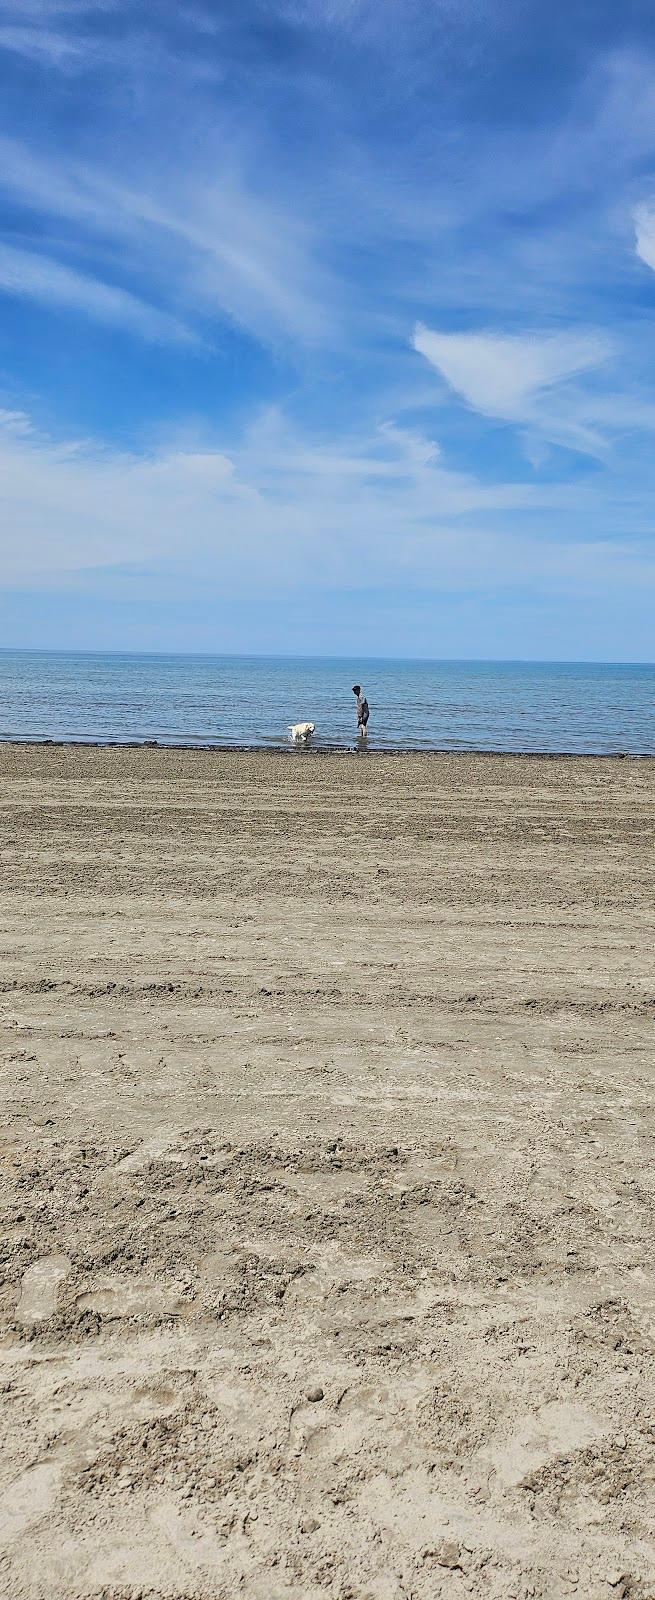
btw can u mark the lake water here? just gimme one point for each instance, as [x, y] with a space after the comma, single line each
[415, 705]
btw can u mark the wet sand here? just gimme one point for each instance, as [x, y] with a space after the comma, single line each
[327, 1176]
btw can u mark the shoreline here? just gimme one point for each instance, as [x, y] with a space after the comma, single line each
[288, 749]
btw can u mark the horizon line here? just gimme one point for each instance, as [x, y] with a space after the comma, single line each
[271, 655]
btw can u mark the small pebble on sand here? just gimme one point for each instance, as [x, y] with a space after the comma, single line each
[449, 1554]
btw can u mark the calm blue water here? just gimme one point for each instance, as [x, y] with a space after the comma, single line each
[448, 705]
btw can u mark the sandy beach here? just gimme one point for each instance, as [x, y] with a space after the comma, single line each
[327, 1176]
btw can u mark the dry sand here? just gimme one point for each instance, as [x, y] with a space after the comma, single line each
[328, 1176]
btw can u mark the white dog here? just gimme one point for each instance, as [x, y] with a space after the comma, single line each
[300, 732]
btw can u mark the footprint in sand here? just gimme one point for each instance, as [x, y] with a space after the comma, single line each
[148, 1150]
[27, 1500]
[554, 1429]
[134, 1297]
[40, 1287]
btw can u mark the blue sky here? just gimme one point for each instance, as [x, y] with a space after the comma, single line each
[328, 327]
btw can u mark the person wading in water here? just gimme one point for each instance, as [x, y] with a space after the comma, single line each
[362, 711]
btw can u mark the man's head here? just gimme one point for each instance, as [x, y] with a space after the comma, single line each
[357, 689]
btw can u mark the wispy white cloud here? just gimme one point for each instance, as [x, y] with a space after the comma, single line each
[40, 44]
[230, 220]
[520, 378]
[278, 497]
[40, 10]
[502, 374]
[418, 449]
[46, 32]
[281, 507]
[644, 220]
[212, 237]
[15, 422]
[26, 275]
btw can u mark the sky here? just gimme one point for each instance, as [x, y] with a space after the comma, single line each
[328, 327]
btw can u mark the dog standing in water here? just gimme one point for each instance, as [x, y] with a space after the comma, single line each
[362, 711]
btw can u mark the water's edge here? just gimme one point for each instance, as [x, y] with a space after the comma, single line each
[307, 752]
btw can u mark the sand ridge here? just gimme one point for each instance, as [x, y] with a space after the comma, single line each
[327, 1176]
